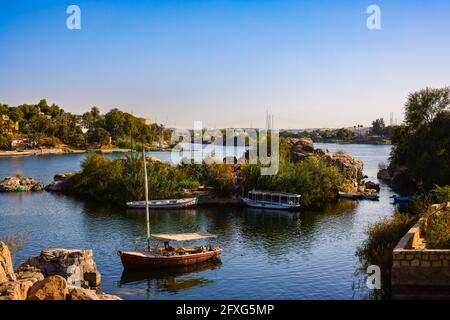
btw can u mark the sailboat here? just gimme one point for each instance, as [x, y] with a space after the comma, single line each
[167, 256]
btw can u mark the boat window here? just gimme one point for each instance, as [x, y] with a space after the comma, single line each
[283, 199]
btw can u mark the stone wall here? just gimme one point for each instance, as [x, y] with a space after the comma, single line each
[417, 272]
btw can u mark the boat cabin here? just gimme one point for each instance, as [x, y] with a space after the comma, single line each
[274, 197]
[168, 250]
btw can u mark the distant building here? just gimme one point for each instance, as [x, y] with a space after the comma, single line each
[146, 122]
[7, 125]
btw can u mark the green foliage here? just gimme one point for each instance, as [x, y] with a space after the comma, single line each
[422, 145]
[221, 177]
[44, 120]
[382, 238]
[437, 230]
[5, 142]
[378, 127]
[441, 194]
[122, 180]
[49, 142]
[98, 136]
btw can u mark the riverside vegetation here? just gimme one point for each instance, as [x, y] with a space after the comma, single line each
[317, 178]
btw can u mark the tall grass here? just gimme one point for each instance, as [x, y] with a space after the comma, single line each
[382, 237]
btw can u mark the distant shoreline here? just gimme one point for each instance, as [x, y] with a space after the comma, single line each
[57, 151]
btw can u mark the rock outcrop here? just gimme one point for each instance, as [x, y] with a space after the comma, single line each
[38, 278]
[349, 166]
[59, 183]
[76, 266]
[50, 288]
[6, 264]
[302, 148]
[13, 184]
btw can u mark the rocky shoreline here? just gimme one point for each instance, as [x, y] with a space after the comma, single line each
[56, 274]
[19, 184]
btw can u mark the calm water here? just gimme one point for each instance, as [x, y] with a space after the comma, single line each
[268, 255]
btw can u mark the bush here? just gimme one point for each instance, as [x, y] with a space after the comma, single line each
[49, 142]
[382, 238]
[437, 230]
[221, 177]
[122, 180]
[5, 142]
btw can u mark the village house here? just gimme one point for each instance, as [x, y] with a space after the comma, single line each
[7, 125]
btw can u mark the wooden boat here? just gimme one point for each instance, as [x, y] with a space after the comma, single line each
[359, 196]
[272, 200]
[165, 204]
[169, 257]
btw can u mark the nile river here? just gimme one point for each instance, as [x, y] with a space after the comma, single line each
[267, 255]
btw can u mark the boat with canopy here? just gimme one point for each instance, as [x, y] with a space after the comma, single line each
[272, 200]
[166, 255]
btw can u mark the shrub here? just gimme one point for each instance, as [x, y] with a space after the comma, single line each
[16, 242]
[382, 238]
[49, 142]
[437, 230]
[221, 177]
[5, 142]
[122, 180]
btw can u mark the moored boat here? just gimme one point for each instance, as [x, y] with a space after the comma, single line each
[272, 200]
[169, 257]
[359, 196]
[165, 204]
[402, 200]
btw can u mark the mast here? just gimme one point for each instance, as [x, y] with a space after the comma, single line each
[147, 211]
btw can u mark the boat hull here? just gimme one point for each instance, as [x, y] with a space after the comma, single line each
[138, 261]
[164, 204]
[267, 205]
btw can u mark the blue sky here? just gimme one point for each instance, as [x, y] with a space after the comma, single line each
[310, 63]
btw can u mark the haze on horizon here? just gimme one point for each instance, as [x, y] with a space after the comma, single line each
[225, 63]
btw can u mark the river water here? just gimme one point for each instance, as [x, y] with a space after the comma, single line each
[267, 255]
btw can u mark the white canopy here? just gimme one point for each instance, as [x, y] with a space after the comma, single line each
[182, 236]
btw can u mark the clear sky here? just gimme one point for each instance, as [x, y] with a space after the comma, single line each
[310, 63]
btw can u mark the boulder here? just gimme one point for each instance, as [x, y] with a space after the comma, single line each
[59, 183]
[322, 152]
[301, 148]
[82, 294]
[6, 264]
[51, 288]
[77, 266]
[372, 186]
[349, 166]
[13, 184]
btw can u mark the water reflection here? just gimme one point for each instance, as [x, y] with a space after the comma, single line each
[173, 280]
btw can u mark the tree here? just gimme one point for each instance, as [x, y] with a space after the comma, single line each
[421, 146]
[424, 105]
[378, 127]
[98, 136]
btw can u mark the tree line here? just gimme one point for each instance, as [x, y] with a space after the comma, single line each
[50, 125]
